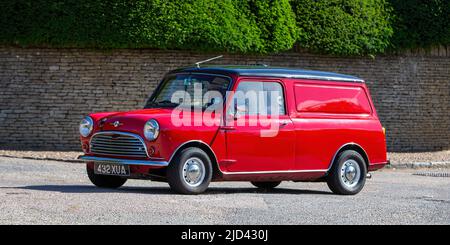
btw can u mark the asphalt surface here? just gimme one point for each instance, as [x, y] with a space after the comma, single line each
[48, 192]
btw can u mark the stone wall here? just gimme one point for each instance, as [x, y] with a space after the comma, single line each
[45, 92]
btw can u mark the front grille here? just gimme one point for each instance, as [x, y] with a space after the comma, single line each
[118, 144]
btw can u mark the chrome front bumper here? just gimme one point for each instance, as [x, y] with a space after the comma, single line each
[122, 161]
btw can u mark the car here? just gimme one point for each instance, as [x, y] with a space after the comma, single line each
[253, 123]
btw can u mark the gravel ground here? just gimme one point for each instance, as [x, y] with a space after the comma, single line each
[42, 155]
[408, 157]
[395, 157]
[50, 192]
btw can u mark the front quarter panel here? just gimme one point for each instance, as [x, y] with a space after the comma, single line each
[173, 136]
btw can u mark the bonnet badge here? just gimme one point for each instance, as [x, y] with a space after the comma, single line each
[116, 124]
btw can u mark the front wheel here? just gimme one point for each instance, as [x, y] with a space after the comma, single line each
[105, 181]
[348, 174]
[266, 185]
[190, 172]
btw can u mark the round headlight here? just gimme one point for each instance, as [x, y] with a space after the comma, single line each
[151, 129]
[86, 126]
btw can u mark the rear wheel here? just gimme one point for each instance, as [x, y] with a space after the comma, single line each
[105, 181]
[190, 172]
[266, 184]
[348, 174]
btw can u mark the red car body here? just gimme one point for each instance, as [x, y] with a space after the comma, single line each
[325, 114]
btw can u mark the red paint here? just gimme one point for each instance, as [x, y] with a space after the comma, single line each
[331, 99]
[321, 117]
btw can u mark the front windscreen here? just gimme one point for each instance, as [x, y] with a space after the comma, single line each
[192, 90]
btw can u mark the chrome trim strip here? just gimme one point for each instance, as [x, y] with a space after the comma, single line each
[340, 148]
[278, 172]
[122, 161]
[200, 73]
[326, 78]
[120, 133]
[303, 76]
[299, 76]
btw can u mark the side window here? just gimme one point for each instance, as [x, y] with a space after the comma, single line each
[260, 98]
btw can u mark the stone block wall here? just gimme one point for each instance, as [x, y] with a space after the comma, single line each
[44, 93]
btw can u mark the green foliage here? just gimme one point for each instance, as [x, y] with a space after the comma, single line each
[69, 23]
[226, 25]
[421, 23]
[340, 27]
[343, 27]
[200, 24]
[276, 21]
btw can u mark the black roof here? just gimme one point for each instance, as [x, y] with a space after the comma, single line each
[266, 71]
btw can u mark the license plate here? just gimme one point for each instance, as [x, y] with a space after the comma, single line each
[111, 169]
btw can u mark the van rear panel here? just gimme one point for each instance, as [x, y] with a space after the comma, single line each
[333, 99]
[328, 115]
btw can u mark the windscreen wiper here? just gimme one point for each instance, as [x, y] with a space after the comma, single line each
[166, 103]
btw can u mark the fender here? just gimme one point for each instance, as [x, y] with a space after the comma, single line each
[364, 155]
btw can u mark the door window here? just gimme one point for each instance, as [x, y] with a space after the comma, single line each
[259, 98]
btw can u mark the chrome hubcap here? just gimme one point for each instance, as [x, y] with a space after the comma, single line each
[350, 173]
[193, 171]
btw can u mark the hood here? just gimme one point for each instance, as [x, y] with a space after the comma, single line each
[130, 121]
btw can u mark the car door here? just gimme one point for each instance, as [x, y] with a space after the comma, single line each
[266, 141]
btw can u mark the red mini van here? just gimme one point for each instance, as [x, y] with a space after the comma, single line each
[240, 123]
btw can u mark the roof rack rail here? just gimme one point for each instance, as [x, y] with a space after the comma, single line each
[208, 60]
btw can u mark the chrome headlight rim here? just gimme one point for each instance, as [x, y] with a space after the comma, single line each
[86, 126]
[151, 130]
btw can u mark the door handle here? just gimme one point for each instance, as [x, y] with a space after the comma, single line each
[284, 123]
[227, 128]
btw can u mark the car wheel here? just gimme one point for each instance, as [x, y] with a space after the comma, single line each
[266, 184]
[105, 181]
[348, 174]
[190, 172]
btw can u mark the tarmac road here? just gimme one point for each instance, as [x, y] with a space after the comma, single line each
[48, 192]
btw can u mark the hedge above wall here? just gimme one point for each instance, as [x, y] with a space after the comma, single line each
[226, 25]
[421, 23]
[344, 27]
[339, 27]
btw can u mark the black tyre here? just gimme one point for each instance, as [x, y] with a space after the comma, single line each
[348, 174]
[105, 181]
[190, 172]
[266, 184]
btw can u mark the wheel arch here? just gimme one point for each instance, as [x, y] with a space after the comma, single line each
[350, 146]
[203, 146]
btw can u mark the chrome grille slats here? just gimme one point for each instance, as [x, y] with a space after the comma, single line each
[118, 144]
[117, 149]
[115, 143]
[117, 140]
[124, 137]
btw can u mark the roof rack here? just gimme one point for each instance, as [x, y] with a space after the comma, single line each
[208, 60]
